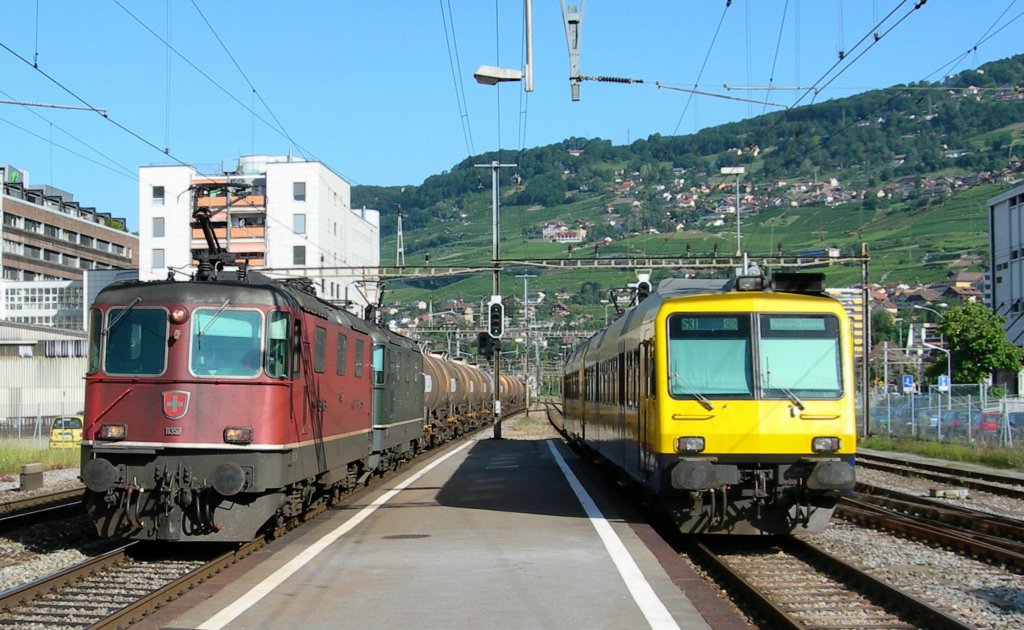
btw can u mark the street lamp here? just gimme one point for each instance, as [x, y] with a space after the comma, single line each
[737, 171]
[606, 305]
[949, 358]
[492, 75]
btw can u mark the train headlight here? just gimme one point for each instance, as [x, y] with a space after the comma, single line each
[112, 432]
[825, 444]
[689, 444]
[750, 283]
[179, 315]
[238, 435]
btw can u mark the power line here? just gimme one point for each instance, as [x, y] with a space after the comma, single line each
[460, 92]
[703, 66]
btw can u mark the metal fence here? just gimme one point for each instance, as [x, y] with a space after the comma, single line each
[32, 421]
[967, 419]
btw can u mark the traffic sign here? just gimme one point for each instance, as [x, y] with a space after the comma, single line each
[943, 383]
[908, 383]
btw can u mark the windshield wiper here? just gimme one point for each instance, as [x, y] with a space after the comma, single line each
[214, 318]
[793, 398]
[701, 398]
[120, 315]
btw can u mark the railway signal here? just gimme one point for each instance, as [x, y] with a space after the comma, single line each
[496, 317]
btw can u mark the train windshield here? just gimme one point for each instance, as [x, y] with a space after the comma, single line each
[799, 356]
[226, 342]
[710, 355]
[136, 341]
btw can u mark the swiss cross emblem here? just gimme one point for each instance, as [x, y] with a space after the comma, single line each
[176, 403]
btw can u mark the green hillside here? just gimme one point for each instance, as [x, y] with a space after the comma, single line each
[906, 170]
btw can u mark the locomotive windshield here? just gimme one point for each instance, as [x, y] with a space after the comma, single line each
[226, 342]
[136, 341]
[712, 355]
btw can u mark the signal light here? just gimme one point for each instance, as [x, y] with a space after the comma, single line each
[496, 319]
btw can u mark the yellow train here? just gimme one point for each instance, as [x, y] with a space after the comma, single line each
[731, 402]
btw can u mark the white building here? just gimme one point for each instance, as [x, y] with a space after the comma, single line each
[295, 219]
[1006, 260]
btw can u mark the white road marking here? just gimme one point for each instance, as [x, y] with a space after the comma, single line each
[646, 599]
[258, 592]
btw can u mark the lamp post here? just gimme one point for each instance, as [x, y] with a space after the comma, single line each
[949, 359]
[606, 305]
[737, 171]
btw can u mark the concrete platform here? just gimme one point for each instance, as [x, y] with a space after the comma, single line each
[491, 534]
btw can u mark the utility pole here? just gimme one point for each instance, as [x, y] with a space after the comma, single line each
[526, 324]
[495, 288]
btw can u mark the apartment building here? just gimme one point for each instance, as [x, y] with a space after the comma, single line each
[289, 217]
[49, 242]
[1006, 260]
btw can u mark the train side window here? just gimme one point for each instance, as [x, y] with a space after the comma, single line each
[95, 328]
[320, 350]
[342, 353]
[277, 344]
[360, 358]
[378, 364]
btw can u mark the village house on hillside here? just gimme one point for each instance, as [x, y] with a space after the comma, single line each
[558, 232]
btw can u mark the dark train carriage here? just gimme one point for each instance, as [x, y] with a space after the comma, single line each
[215, 409]
[398, 411]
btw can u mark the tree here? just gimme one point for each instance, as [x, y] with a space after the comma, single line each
[977, 341]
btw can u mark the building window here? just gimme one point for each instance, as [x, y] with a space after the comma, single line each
[158, 226]
[158, 195]
[299, 255]
[299, 223]
[158, 259]
[299, 191]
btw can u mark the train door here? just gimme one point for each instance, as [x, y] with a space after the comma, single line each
[622, 454]
[647, 407]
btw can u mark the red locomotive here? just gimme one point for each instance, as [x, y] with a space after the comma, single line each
[216, 410]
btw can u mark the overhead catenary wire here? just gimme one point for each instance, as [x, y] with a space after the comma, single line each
[704, 65]
[451, 42]
[303, 152]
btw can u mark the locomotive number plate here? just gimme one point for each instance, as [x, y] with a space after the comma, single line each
[172, 430]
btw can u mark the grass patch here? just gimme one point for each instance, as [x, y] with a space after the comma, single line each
[14, 453]
[1006, 458]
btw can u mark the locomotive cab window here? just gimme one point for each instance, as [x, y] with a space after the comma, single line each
[136, 340]
[226, 343]
[277, 344]
[710, 355]
[379, 355]
[800, 353]
[95, 328]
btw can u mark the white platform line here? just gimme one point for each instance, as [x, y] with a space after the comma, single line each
[646, 599]
[272, 581]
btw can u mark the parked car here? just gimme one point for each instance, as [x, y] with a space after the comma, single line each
[988, 421]
[66, 432]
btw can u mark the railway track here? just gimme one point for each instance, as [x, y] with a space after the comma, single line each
[119, 588]
[40, 508]
[991, 538]
[790, 583]
[112, 590]
[985, 481]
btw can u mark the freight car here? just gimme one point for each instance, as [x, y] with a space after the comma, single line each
[728, 403]
[216, 410]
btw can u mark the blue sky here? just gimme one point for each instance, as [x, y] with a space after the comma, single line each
[367, 87]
